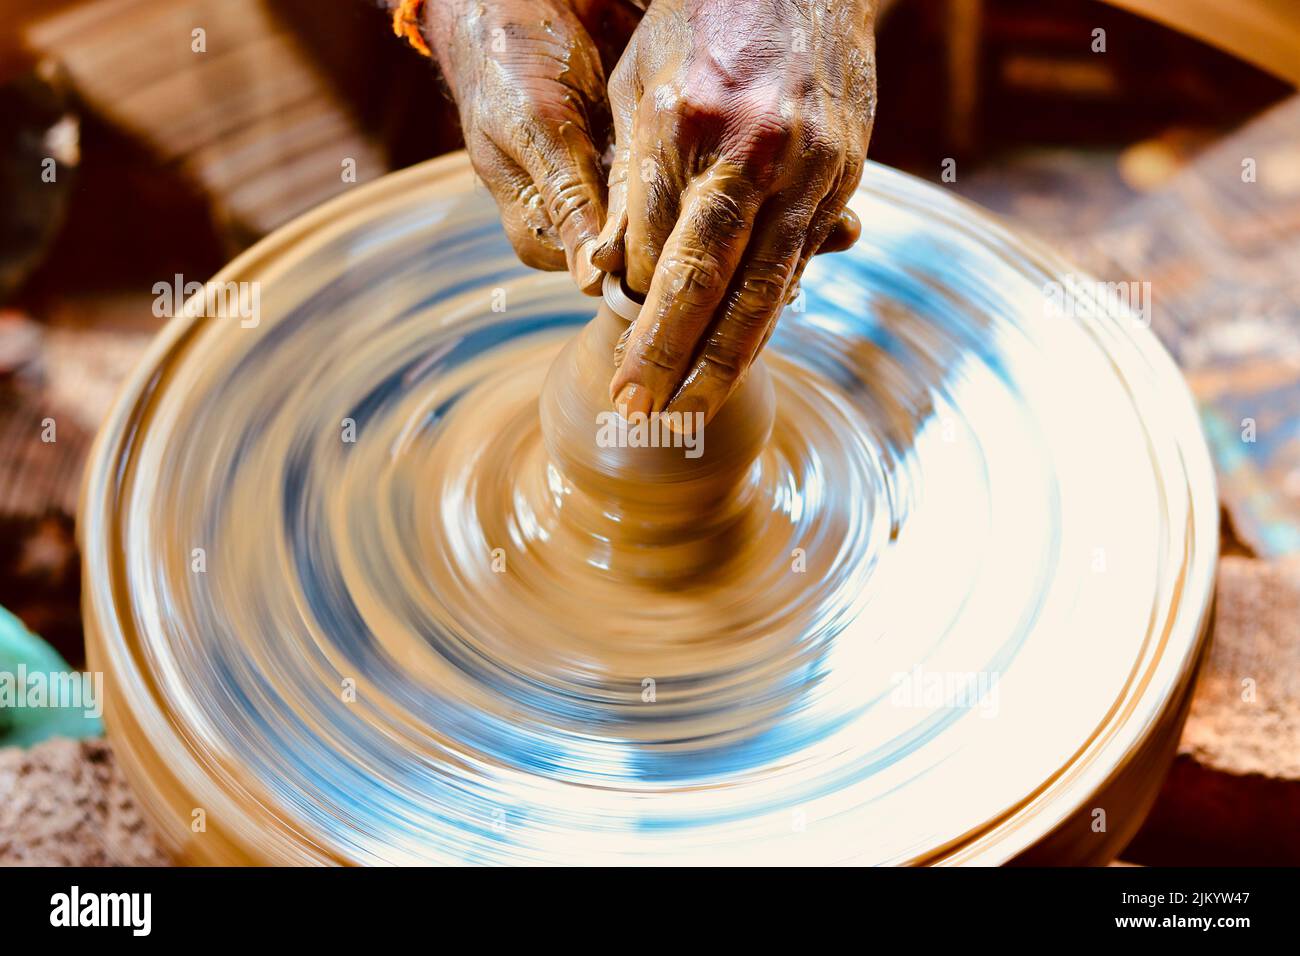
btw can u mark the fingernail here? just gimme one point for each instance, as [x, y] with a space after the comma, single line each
[605, 259]
[604, 236]
[585, 274]
[600, 248]
[606, 242]
[634, 399]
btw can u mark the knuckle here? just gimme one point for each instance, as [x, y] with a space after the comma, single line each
[719, 215]
[759, 290]
[566, 196]
[528, 199]
[738, 339]
[692, 276]
[770, 128]
[663, 353]
[854, 162]
[622, 82]
[822, 149]
[726, 353]
[693, 110]
[720, 364]
[763, 133]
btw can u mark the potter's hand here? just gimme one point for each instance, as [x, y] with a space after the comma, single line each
[741, 128]
[530, 89]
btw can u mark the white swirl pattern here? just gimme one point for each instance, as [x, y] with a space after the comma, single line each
[978, 487]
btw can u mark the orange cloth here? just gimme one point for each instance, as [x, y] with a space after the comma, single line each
[406, 23]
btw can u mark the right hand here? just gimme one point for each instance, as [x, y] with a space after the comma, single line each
[530, 90]
[742, 129]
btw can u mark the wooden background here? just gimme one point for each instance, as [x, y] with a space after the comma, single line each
[1131, 162]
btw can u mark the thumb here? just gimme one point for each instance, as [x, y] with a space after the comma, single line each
[608, 251]
[568, 177]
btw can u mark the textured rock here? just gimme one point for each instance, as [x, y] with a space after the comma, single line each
[65, 803]
[1233, 796]
[1245, 717]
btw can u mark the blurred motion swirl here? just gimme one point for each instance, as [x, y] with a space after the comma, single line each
[330, 581]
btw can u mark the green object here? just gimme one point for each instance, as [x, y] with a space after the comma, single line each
[40, 697]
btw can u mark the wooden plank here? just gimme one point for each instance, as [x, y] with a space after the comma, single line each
[239, 119]
[114, 48]
[1263, 32]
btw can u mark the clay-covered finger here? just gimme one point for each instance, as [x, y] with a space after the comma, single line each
[750, 310]
[653, 186]
[562, 161]
[654, 203]
[607, 254]
[523, 214]
[608, 251]
[831, 216]
[846, 231]
[698, 262]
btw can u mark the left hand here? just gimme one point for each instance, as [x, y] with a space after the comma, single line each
[530, 89]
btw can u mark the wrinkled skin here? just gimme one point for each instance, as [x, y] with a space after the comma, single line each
[741, 131]
[741, 127]
[530, 88]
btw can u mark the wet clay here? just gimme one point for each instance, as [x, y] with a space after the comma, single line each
[369, 584]
[650, 498]
[558, 545]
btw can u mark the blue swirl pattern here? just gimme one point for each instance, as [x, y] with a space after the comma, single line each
[964, 490]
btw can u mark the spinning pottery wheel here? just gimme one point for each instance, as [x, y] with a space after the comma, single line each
[351, 609]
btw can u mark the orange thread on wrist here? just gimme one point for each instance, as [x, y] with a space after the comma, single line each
[406, 23]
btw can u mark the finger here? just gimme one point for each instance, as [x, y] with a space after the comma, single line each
[653, 207]
[846, 230]
[698, 262]
[561, 159]
[654, 204]
[527, 226]
[831, 212]
[668, 142]
[608, 253]
[752, 306]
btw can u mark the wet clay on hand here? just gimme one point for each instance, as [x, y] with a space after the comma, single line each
[741, 129]
[530, 89]
[355, 595]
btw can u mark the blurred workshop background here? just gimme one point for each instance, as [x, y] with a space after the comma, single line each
[141, 139]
